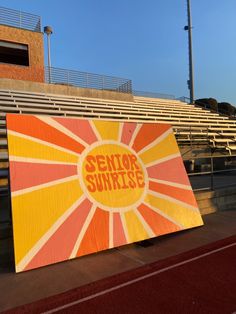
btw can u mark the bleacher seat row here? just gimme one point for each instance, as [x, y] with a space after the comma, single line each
[190, 123]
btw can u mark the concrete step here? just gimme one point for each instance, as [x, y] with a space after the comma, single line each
[218, 200]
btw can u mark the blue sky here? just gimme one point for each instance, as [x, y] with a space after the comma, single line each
[144, 41]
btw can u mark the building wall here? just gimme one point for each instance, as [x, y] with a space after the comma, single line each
[23, 85]
[34, 40]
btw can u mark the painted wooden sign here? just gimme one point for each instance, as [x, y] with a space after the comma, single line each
[81, 186]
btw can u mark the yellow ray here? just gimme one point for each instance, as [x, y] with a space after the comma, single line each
[178, 213]
[166, 147]
[136, 231]
[108, 130]
[23, 147]
[34, 213]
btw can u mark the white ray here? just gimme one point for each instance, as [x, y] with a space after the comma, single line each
[121, 125]
[176, 185]
[134, 135]
[123, 221]
[161, 160]
[40, 161]
[147, 228]
[39, 244]
[98, 135]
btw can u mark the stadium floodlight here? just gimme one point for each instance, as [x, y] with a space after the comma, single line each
[188, 28]
[48, 32]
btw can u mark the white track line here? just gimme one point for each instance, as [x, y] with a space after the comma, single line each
[127, 283]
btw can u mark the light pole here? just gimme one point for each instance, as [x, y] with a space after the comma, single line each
[48, 31]
[190, 52]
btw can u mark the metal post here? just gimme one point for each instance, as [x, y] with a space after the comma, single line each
[49, 57]
[48, 31]
[68, 77]
[212, 172]
[189, 29]
[20, 19]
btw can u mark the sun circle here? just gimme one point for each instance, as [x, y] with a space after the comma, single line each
[112, 176]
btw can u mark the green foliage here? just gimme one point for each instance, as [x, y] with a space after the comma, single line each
[226, 108]
[212, 104]
[208, 103]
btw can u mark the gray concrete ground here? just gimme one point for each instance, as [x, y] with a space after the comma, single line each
[22, 288]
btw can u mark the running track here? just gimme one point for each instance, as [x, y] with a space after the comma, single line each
[199, 281]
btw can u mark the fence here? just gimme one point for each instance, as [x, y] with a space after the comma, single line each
[212, 172]
[20, 19]
[184, 99]
[87, 80]
[153, 95]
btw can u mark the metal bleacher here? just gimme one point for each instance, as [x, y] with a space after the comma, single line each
[191, 124]
[195, 124]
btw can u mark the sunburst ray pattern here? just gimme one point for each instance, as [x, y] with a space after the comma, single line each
[81, 186]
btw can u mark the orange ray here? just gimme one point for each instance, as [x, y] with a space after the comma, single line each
[26, 174]
[79, 127]
[58, 248]
[32, 126]
[159, 224]
[149, 133]
[172, 170]
[96, 237]
[127, 132]
[183, 195]
[118, 231]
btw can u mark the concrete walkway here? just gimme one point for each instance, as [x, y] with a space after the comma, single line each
[22, 288]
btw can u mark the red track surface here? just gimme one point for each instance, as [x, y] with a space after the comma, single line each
[200, 281]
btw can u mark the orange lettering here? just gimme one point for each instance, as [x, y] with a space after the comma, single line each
[139, 177]
[92, 186]
[101, 163]
[90, 166]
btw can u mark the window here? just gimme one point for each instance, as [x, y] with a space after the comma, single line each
[14, 53]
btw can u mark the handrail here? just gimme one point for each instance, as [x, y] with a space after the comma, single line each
[153, 95]
[87, 80]
[184, 99]
[211, 173]
[20, 19]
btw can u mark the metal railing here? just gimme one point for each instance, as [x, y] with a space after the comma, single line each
[212, 173]
[153, 95]
[184, 99]
[87, 80]
[20, 19]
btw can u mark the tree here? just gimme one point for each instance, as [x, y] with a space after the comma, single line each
[208, 103]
